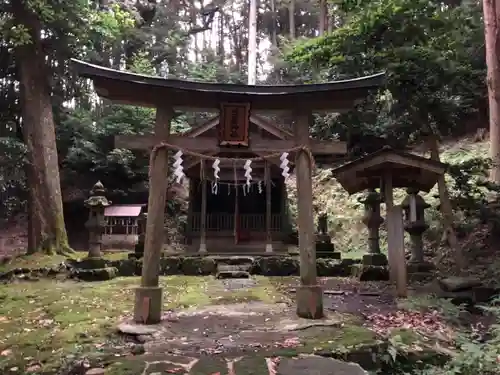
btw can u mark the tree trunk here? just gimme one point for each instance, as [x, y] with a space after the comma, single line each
[291, 15]
[274, 34]
[252, 43]
[446, 209]
[48, 232]
[492, 41]
[222, 50]
[323, 14]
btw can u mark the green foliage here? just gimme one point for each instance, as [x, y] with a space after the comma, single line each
[435, 72]
[12, 179]
[86, 146]
[111, 24]
[479, 351]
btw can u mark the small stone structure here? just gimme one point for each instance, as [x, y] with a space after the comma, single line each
[414, 207]
[324, 246]
[139, 246]
[388, 169]
[96, 222]
[465, 290]
[373, 220]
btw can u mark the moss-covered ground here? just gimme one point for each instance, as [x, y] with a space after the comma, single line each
[41, 260]
[45, 321]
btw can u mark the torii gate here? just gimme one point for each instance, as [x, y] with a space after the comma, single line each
[234, 103]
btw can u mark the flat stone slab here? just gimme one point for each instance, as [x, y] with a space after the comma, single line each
[209, 366]
[317, 366]
[236, 309]
[251, 365]
[237, 284]
[244, 365]
[458, 284]
[164, 368]
[134, 329]
[297, 324]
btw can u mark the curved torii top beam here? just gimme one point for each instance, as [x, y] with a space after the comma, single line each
[144, 90]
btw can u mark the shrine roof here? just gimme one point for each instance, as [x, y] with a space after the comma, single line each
[139, 89]
[407, 170]
[124, 210]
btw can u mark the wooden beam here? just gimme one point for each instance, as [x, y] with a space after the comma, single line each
[270, 128]
[200, 129]
[210, 144]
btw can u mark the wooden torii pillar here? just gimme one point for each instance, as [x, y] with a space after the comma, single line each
[309, 294]
[148, 296]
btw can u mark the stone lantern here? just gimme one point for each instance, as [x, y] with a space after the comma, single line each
[372, 219]
[323, 243]
[139, 246]
[96, 222]
[414, 207]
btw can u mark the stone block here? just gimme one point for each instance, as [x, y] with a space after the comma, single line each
[458, 284]
[324, 247]
[99, 274]
[370, 273]
[127, 267]
[232, 275]
[147, 306]
[328, 255]
[198, 266]
[309, 301]
[275, 266]
[91, 263]
[375, 259]
[332, 268]
[318, 365]
[419, 267]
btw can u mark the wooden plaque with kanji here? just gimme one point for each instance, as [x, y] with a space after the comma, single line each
[233, 125]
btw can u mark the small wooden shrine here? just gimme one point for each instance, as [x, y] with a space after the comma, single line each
[231, 215]
[229, 154]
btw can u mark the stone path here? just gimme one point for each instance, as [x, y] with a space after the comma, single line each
[245, 365]
[237, 339]
[250, 338]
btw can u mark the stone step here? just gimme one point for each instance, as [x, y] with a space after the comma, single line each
[223, 267]
[232, 275]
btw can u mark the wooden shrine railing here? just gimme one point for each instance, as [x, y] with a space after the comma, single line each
[121, 225]
[225, 222]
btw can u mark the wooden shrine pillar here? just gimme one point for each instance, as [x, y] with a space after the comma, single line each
[309, 294]
[189, 224]
[236, 212]
[269, 239]
[148, 297]
[284, 208]
[203, 213]
[395, 238]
